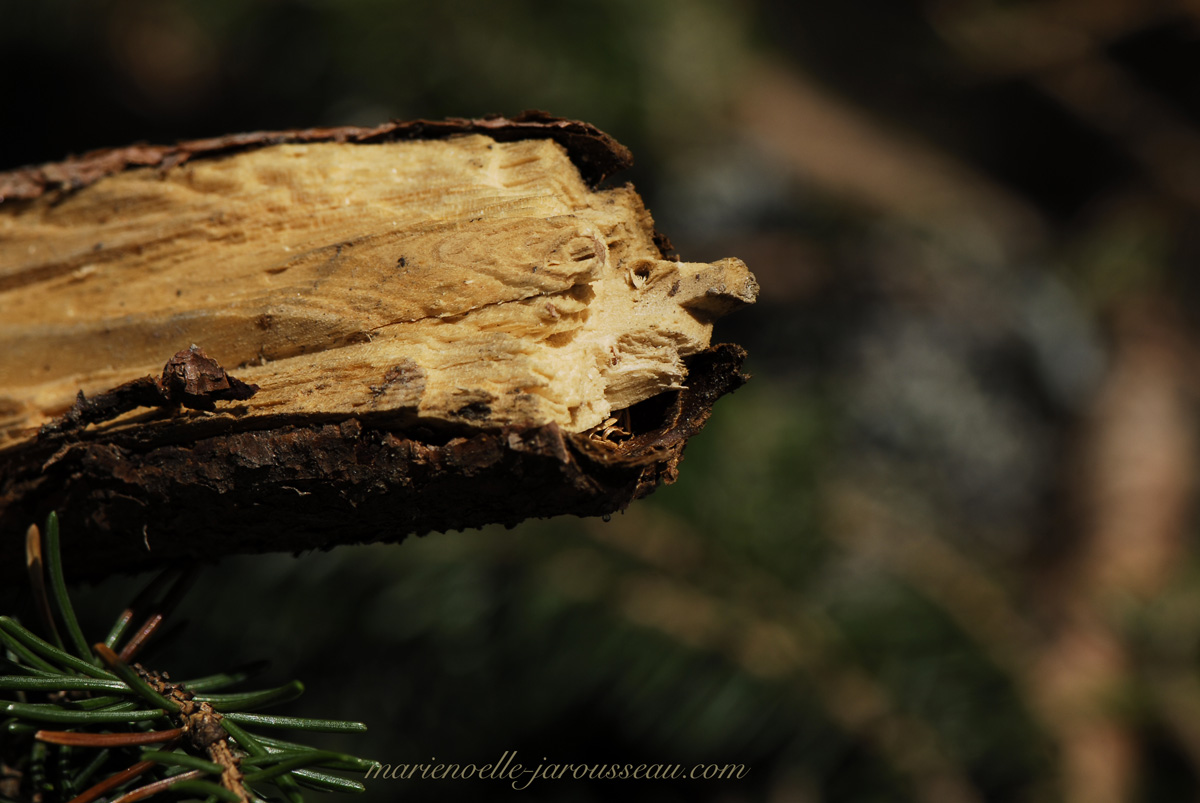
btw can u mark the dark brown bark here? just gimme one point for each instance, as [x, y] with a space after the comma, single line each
[142, 499]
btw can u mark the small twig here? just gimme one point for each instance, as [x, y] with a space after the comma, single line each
[190, 379]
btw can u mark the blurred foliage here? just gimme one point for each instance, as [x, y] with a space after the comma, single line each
[139, 729]
[940, 549]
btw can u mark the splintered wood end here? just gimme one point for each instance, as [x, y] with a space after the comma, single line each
[468, 289]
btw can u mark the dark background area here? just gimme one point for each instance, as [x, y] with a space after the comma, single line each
[941, 548]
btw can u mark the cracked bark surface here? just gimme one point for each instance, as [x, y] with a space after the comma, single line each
[441, 332]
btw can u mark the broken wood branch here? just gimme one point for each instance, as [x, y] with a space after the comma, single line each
[421, 326]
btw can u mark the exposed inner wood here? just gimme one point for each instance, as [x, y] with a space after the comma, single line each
[463, 281]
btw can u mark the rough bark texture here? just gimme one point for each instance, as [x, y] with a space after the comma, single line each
[136, 500]
[596, 154]
[445, 329]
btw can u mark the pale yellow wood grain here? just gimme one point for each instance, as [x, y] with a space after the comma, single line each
[461, 281]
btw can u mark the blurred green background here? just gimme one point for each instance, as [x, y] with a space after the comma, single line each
[940, 549]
